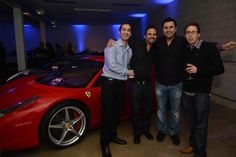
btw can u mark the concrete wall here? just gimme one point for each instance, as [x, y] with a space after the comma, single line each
[217, 20]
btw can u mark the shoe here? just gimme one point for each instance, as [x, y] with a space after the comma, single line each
[160, 136]
[119, 141]
[175, 139]
[187, 150]
[136, 139]
[148, 135]
[106, 151]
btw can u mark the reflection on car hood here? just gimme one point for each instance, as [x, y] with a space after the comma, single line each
[23, 89]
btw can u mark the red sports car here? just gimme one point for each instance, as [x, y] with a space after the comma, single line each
[55, 104]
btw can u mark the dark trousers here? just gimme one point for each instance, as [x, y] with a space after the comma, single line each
[141, 106]
[197, 109]
[113, 99]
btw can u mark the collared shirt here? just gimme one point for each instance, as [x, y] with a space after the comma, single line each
[142, 60]
[196, 45]
[169, 60]
[116, 61]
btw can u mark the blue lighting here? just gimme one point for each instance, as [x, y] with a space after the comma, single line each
[32, 37]
[163, 1]
[80, 31]
[138, 15]
[26, 25]
[171, 9]
[143, 25]
[115, 31]
[79, 26]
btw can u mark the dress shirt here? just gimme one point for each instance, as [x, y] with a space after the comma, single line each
[116, 61]
[169, 61]
[142, 60]
[197, 45]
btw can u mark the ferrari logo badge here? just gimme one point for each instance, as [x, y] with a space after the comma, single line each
[88, 94]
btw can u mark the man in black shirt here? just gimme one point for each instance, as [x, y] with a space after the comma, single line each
[169, 70]
[141, 85]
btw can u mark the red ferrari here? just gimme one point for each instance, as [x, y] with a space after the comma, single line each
[55, 104]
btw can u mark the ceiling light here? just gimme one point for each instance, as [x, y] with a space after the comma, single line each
[40, 11]
[163, 1]
[138, 15]
[26, 13]
[92, 10]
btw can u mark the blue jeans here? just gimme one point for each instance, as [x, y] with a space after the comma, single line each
[196, 109]
[174, 95]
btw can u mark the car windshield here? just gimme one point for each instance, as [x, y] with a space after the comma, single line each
[74, 74]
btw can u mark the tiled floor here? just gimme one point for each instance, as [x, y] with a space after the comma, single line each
[221, 141]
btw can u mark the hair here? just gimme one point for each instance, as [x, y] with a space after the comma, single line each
[150, 27]
[125, 23]
[169, 19]
[193, 24]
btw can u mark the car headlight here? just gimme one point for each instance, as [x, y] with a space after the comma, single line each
[19, 75]
[18, 105]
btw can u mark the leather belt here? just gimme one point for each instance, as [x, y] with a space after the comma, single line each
[141, 82]
[112, 80]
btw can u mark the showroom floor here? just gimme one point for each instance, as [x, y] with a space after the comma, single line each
[221, 141]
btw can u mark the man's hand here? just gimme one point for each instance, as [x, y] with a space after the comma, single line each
[110, 42]
[229, 45]
[131, 73]
[191, 69]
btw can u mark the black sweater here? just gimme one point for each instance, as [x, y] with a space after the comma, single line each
[208, 62]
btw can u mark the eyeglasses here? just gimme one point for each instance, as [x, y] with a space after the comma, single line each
[191, 32]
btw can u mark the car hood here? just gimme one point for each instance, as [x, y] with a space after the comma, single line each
[17, 91]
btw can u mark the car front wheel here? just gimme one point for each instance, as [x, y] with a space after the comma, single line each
[64, 124]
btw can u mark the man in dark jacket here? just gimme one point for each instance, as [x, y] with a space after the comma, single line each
[202, 62]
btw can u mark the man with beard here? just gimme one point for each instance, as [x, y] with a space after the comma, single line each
[141, 85]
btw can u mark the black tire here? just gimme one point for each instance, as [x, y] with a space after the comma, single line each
[64, 124]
